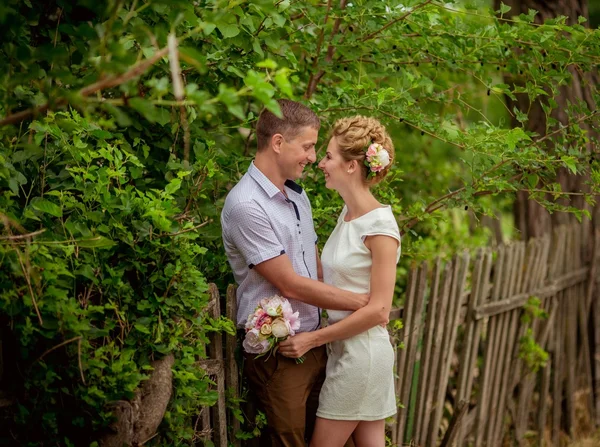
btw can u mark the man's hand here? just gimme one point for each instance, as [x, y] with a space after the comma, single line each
[298, 345]
[359, 300]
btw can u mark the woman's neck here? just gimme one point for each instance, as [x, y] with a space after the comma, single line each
[359, 201]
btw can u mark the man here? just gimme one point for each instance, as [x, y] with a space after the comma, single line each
[270, 242]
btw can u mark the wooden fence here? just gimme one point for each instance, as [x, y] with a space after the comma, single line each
[460, 376]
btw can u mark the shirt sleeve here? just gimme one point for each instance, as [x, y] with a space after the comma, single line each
[250, 231]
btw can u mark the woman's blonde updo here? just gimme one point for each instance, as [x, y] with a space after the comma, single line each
[354, 135]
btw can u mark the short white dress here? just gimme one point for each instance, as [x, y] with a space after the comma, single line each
[359, 383]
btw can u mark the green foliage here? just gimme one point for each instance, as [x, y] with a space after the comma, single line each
[121, 166]
[530, 351]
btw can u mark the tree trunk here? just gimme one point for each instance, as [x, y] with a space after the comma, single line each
[532, 219]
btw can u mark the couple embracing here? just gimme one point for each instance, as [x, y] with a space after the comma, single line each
[344, 389]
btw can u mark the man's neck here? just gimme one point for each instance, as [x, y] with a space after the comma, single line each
[269, 169]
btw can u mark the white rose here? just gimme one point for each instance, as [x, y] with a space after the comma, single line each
[265, 329]
[272, 311]
[384, 158]
[254, 343]
[279, 329]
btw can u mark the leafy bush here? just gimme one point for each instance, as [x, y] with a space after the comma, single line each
[126, 122]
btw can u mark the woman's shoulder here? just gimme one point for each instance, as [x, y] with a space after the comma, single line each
[383, 218]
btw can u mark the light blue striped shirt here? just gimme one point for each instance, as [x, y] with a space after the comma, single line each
[259, 223]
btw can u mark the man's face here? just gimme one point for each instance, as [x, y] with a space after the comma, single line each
[297, 152]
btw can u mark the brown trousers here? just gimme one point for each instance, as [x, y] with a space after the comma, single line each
[288, 393]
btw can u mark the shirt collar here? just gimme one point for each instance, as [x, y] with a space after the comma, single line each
[267, 185]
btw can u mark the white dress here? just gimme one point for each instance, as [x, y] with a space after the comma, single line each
[359, 383]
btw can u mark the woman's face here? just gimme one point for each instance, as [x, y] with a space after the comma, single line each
[334, 166]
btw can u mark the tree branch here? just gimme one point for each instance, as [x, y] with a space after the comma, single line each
[393, 22]
[22, 236]
[109, 82]
[314, 79]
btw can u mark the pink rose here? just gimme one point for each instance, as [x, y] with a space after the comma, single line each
[263, 319]
[372, 150]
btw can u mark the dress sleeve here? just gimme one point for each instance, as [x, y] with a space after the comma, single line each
[250, 231]
[384, 225]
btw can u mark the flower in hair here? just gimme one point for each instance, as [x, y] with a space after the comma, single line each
[377, 158]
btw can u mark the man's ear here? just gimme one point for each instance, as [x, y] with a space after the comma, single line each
[276, 141]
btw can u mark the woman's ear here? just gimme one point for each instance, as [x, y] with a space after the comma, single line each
[353, 166]
[276, 141]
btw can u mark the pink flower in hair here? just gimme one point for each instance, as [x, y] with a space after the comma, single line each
[372, 151]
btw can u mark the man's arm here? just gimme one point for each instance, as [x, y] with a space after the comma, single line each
[383, 280]
[279, 272]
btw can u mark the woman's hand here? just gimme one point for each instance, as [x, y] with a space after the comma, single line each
[298, 345]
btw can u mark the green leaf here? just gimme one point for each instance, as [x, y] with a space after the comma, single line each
[193, 56]
[257, 48]
[570, 162]
[514, 136]
[208, 28]
[96, 242]
[532, 180]
[142, 328]
[228, 30]
[504, 8]
[282, 81]
[150, 111]
[101, 134]
[267, 63]
[173, 186]
[278, 19]
[47, 207]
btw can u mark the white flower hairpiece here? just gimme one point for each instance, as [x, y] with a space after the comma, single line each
[377, 158]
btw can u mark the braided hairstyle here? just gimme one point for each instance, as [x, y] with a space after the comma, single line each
[354, 135]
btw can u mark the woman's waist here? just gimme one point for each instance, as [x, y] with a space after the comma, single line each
[376, 331]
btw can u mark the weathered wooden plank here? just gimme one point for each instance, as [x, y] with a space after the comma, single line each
[454, 426]
[468, 358]
[596, 310]
[518, 301]
[430, 430]
[531, 279]
[511, 340]
[219, 412]
[524, 375]
[207, 431]
[401, 352]
[557, 267]
[594, 297]
[405, 331]
[232, 376]
[571, 334]
[557, 378]
[440, 381]
[414, 314]
[461, 268]
[489, 359]
[425, 389]
[543, 400]
[500, 344]
[211, 366]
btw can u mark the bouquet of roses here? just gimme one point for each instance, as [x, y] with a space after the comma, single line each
[273, 321]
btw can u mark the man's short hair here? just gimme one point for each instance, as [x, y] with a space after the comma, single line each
[295, 117]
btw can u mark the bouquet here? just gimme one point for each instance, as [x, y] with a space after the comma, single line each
[273, 321]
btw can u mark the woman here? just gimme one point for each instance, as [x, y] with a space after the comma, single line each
[361, 256]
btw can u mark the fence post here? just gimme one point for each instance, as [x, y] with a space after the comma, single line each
[215, 349]
[231, 367]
